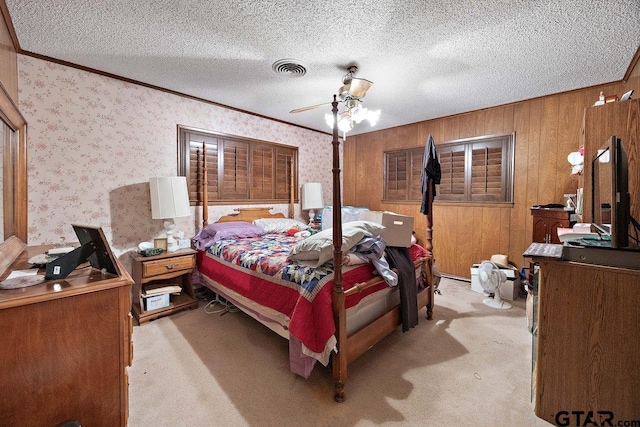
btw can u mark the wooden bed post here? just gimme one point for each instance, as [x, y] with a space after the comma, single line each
[428, 244]
[291, 191]
[205, 187]
[339, 363]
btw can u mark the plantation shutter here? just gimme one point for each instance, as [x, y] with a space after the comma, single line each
[262, 171]
[452, 165]
[235, 171]
[198, 143]
[286, 159]
[486, 172]
[239, 170]
[397, 180]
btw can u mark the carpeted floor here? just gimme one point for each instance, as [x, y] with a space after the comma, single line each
[469, 366]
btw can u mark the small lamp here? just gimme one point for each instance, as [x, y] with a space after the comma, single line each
[312, 198]
[169, 199]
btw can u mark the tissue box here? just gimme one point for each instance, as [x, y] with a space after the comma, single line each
[398, 228]
[157, 301]
[508, 290]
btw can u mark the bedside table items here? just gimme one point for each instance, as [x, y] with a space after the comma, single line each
[169, 200]
[312, 199]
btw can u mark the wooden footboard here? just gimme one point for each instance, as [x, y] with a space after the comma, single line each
[350, 347]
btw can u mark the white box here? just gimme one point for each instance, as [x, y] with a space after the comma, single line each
[508, 290]
[398, 228]
[157, 301]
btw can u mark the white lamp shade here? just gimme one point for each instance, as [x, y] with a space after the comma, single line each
[312, 196]
[169, 197]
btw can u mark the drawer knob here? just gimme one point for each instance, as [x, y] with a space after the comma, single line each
[170, 266]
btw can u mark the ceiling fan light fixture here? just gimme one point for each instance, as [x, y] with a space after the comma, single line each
[373, 116]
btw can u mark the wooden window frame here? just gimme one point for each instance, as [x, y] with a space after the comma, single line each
[474, 170]
[240, 170]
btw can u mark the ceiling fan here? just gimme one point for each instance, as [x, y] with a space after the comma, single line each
[351, 93]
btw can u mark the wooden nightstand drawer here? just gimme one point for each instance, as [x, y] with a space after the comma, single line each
[169, 265]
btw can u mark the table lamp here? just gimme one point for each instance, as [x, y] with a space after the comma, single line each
[312, 198]
[169, 200]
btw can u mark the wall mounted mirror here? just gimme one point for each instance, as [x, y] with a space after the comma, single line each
[13, 173]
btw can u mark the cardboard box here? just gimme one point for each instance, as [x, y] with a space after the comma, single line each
[157, 301]
[508, 290]
[398, 228]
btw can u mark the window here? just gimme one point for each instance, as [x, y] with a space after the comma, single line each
[473, 170]
[239, 170]
[402, 174]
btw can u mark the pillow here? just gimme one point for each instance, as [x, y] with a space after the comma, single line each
[279, 225]
[318, 248]
[225, 230]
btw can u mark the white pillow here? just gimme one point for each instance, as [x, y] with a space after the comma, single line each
[279, 225]
[318, 248]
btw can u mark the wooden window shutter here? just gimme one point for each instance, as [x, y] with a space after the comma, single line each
[262, 171]
[195, 173]
[396, 180]
[452, 165]
[240, 170]
[415, 175]
[234, 175]
[486, 172]
[286, 164]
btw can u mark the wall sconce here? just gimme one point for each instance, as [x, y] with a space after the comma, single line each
[169, 200]
[312, 198]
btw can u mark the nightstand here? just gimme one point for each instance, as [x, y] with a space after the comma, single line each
[173, 268]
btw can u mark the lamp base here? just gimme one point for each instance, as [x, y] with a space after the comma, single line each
[172, 243]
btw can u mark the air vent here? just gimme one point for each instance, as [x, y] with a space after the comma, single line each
[289, 68]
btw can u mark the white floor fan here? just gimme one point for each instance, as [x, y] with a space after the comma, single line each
[490, 279]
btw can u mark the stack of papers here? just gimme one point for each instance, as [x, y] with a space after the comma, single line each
[566, 234]
[159, 289]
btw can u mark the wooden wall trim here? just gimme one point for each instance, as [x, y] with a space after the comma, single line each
[633, 66]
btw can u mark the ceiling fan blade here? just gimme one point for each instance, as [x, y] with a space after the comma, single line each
[358, 87]
[313, 107]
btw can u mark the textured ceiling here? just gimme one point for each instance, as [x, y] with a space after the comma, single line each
[427, 59]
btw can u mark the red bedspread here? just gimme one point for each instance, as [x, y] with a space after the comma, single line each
[257, 269]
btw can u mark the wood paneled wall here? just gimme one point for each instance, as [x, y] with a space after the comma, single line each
[547, 130]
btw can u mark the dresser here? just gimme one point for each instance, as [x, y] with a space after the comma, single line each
[546, 222]
[587, 355]
[66, 345]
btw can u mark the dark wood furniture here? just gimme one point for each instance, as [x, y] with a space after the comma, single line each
[546, 222]
[66, 345]
[170, 268]
[587, 352]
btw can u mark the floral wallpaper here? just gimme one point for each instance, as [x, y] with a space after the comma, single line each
[94, 141]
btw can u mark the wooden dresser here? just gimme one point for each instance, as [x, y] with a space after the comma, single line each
[546, 222]
[66, 345]
[588, 356]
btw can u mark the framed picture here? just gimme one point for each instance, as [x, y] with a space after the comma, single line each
[160, 243]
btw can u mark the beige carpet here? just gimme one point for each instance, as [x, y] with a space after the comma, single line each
[471, 365]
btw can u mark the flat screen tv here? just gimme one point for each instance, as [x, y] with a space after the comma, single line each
[610, 192]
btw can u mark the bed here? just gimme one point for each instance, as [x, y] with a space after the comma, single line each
[329, 312]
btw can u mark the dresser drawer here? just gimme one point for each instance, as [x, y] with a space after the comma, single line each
[169, 265]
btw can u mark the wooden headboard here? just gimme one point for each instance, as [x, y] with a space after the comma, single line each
[249, 214]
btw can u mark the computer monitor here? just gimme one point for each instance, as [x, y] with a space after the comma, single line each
[93, 249]
[610, 192]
